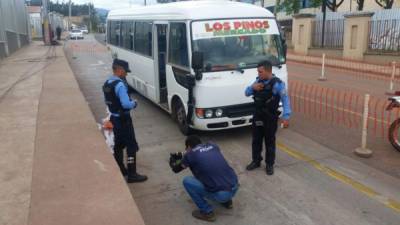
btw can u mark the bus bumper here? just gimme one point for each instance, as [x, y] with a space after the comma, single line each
[221, 123]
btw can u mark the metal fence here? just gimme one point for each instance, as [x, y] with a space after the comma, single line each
[334, 32]
[14, 26]
[384, 36]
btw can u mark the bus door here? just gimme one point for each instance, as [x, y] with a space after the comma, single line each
[161, 52]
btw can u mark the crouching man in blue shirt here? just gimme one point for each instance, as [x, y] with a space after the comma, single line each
[212, 178]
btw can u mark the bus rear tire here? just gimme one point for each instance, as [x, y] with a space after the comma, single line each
[179, 115]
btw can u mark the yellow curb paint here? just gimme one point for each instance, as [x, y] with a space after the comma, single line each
[390, 203]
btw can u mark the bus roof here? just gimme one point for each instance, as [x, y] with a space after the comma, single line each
[191, 10]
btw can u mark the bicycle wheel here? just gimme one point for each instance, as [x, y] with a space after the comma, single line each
[394, 133]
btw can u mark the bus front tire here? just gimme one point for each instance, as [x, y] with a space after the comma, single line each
[179, 115]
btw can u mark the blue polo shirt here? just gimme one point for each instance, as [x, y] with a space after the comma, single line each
[278, 89]
[209, 166]
[121, 90]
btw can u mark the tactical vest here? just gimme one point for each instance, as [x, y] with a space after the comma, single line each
[266, 102]
[112, 100]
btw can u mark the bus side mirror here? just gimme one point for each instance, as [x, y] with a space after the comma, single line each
[198, 64]
[197, 61]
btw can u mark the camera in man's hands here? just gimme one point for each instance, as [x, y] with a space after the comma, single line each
[175, 160]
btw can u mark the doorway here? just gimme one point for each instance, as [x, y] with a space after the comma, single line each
[162, 53]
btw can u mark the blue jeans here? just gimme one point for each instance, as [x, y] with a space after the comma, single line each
[197, 192]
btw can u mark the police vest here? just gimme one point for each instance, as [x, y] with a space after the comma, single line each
[112, 100]
[266, 102]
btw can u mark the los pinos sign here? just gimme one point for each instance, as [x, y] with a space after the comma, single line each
[229, 28]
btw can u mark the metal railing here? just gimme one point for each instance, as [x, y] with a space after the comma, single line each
[334, 32]
[384, 36]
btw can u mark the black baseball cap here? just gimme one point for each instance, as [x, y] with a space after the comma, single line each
[122, 63]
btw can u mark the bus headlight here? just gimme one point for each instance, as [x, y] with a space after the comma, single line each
[209, 113]
[218, 112]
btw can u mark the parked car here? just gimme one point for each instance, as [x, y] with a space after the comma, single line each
[76, 34]
[84, 30]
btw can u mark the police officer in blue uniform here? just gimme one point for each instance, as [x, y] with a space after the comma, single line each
[212, 178]
[267, 91]
[119, 104]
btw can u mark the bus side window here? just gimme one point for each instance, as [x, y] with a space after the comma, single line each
[143, 38]
[123, 31]
[131, 34]
[108, 32]
[117, 33]
[127, 34]
[178, 49]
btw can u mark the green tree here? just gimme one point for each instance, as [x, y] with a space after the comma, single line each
[77, 10]
[386, 4]
[294, 6]
[360, 5]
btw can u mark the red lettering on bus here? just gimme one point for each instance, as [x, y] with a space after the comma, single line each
[227, 26]
[217, 26]
[237, 25]
[248, 25]
[258, 24]
[266, 24]
[208, 28]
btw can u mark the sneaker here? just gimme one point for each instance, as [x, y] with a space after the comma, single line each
[210, 217]
[228, 204]
[253, 165]
[136, 178]
[269, 170]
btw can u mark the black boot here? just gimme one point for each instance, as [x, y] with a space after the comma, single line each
[253, 165]
[228, 204]
[119, 158]
[133, 176]
[269, 170]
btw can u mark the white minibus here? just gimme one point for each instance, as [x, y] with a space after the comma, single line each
[195, 58]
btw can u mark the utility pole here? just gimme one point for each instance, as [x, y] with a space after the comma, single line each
[69, 16]
[45, 19]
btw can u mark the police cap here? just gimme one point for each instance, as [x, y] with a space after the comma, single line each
[122, 63]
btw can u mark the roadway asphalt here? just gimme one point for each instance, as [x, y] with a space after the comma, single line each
[314, 183]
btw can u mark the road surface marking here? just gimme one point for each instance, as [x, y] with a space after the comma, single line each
[390, 203]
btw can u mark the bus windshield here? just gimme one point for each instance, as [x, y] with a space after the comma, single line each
[227, 53]
[229, 44]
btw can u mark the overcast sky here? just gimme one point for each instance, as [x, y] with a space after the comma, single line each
[113, 4]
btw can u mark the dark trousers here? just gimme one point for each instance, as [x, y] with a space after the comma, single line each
[264, 129]
[124, 137]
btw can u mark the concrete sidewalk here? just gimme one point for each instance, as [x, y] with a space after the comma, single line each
[55, 167]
